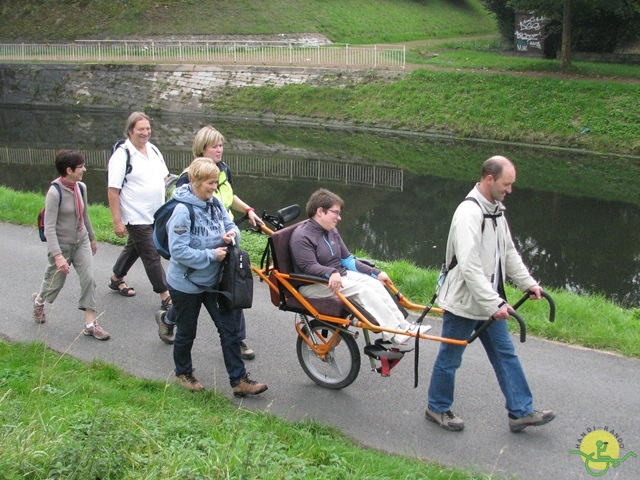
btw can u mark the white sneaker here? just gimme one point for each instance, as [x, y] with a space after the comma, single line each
[423, 328]
[402, 340]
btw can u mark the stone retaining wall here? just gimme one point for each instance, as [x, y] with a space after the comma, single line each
[171, 88]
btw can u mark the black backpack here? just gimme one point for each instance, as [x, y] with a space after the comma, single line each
[235, 280]
[160, 219]
[41, 213]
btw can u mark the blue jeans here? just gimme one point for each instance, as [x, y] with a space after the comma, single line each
[500, 350]
[185, 312]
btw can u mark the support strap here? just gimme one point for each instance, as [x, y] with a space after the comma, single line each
[416, 358]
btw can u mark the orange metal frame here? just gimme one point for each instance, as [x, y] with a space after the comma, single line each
[268, 273]
[284, 279]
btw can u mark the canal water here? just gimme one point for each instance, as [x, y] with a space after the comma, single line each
[571, 234]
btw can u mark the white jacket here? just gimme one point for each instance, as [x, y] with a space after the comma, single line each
[468, 288]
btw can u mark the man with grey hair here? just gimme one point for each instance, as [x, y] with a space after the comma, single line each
[480, 256]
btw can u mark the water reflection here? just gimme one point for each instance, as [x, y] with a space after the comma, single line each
[574, 242]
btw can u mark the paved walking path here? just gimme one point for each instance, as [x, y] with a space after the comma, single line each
[588, 389]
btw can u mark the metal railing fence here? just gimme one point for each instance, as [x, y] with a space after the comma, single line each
[211, 52]
[283, 168]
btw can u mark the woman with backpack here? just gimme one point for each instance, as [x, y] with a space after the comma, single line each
[196, 254]
[70, 241]
[208, 143]
[135, 179]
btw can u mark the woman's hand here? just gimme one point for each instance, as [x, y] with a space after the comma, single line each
[119, 229]
[229, 237]
[384, 278]
[221, 252]
[335, 282]
[61, 264]
[253, 218]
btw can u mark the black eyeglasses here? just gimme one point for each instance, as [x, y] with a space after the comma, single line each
[337, 213]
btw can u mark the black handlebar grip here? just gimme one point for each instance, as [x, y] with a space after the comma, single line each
[547, 297]
[485, 325]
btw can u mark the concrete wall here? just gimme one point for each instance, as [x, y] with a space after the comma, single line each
[171, 88]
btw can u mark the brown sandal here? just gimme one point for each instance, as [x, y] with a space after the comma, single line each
[125, 291]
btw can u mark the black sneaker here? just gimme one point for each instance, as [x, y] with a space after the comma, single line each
[446, 420]
[534, 419]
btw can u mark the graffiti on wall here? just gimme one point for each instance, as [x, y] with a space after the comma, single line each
[529, 34]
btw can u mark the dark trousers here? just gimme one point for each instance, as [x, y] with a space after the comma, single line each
[242, 324]
[185, 313]
[140, 245]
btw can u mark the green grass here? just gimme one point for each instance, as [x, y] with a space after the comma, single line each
[590, 321]
[546, 111]
[355, 21]
[493, 56]
[22, 208]
[62, 418]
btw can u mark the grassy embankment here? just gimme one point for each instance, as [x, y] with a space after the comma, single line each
[467, 89]
[542, 169]
[356, 21]
[62, 418]
[585, 113]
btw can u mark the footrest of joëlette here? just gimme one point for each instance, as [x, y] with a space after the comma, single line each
[388, 355]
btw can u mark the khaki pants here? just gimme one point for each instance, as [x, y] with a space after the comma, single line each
[368, 292]
[81, 257]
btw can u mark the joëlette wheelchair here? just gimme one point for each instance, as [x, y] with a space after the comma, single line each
[328, 327]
